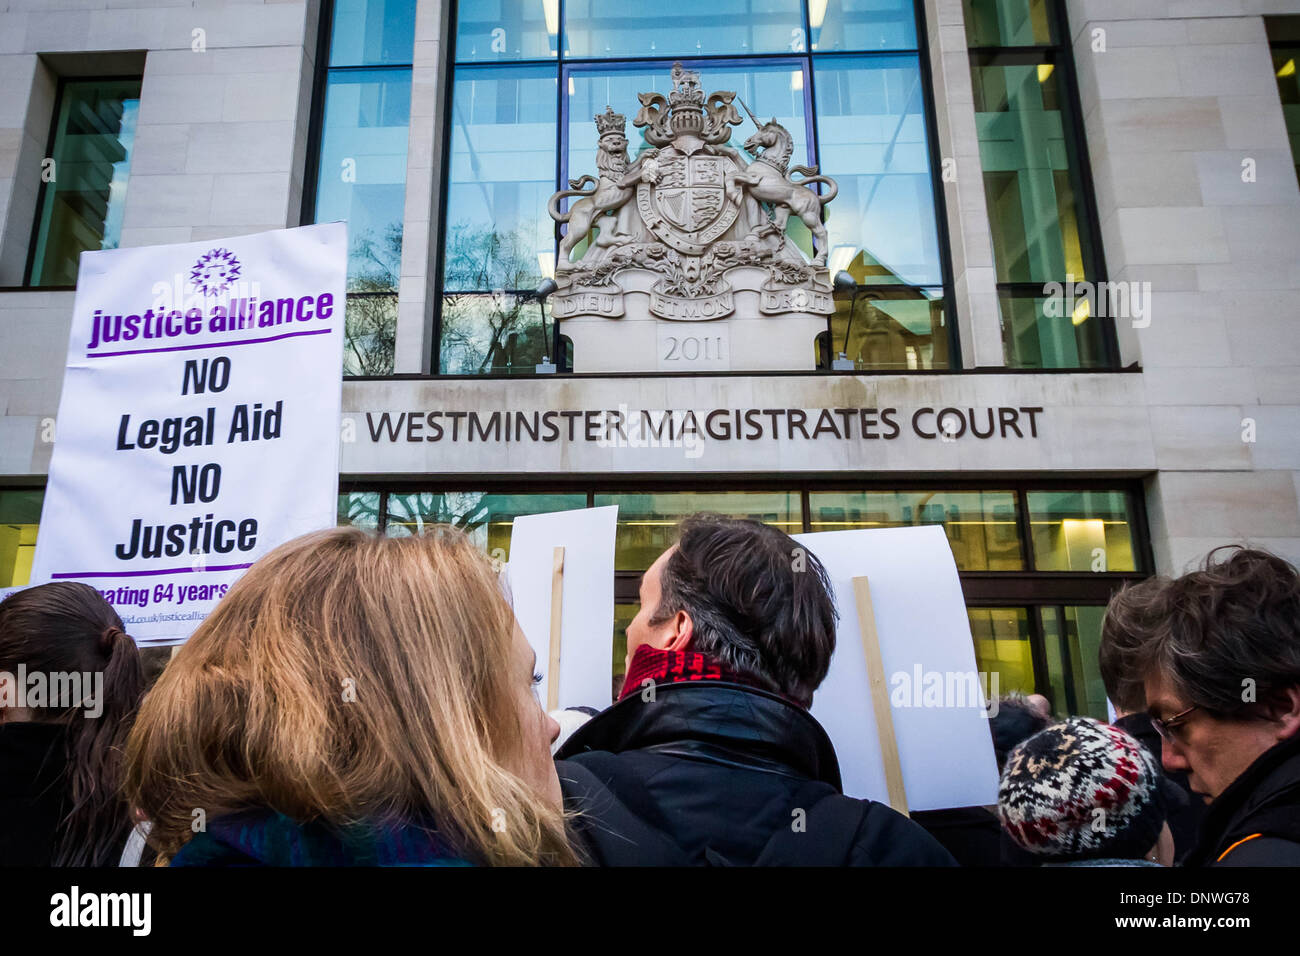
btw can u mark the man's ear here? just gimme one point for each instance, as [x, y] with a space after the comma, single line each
[683, 631]
[1288, 713]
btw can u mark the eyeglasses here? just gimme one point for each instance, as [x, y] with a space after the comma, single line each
[1165, 728]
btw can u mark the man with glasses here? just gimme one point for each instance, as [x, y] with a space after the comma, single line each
[1215, 657]
[1185, 809]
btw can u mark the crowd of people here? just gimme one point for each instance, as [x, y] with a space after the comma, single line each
[366, 700]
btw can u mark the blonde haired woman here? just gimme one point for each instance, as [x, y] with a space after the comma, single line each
[353, 700]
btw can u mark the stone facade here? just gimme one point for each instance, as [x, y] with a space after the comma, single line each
[1176, 97]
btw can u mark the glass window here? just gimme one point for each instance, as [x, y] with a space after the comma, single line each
[1284, 34]
[81, 205]
[372, 32]
[1027, 179]
[363, 170]
[1039, 216]
[892, 327]
[1008, 22]
[502, 173]
[1003, 647]
[499, 237]
[1072, 640]
[496, 30]
[980, 525]
[359, 509]
[361, 179]
[497, 333]
[667, 28]
[771, 90]
[1037, 332]
[862, 25]
[647, 521]
[1081, 531]
[487, 517]
[20, 518]
[872, 134]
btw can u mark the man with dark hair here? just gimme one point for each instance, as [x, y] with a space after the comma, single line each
[1217, 652]
[710, 756]
[1130, 617]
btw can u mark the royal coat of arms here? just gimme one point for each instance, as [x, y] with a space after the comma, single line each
[693, 213]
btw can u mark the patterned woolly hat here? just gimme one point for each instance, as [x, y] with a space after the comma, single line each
[1082, 790]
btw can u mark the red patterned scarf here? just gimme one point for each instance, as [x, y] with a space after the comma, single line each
[676, 667]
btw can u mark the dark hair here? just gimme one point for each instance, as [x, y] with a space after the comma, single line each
[68, 627]
[1131, 618]
[1210, 631]
[760, 604]
[1015, 722]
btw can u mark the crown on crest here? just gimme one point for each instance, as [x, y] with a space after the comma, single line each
[686, 89]
[610, 122]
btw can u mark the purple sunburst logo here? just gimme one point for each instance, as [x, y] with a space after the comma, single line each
[215, 271]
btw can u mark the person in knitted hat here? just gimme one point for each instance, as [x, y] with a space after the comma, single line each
[1084, 793]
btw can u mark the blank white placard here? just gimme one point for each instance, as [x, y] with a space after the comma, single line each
[946, 751]
[587, 628]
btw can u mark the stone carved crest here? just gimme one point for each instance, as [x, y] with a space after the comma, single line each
[691, 224]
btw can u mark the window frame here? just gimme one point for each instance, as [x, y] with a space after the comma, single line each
[34, 237]
[1060, 54]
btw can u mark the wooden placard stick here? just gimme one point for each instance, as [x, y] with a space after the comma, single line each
[557, 617]
[880, 695]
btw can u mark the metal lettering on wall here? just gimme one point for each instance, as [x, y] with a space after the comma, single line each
[624, 427]
[691, 230]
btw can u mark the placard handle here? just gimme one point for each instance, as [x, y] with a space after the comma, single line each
[557, 616]
[880, 695]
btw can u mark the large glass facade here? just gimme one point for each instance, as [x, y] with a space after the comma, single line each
[1021, 552]
[528, 81]
[1044, 238]
[361, 176]
[83, 191]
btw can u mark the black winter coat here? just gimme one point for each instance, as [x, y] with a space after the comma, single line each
[1256, 820]
[34, 794]
[712, 773]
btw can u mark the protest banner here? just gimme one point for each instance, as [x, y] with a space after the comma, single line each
[583, 576]
[198, 426]
[936, 696]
